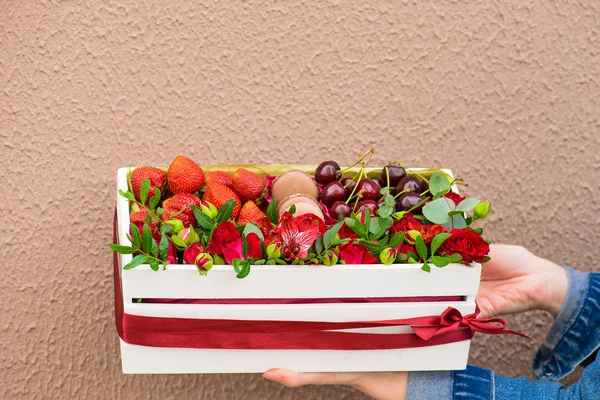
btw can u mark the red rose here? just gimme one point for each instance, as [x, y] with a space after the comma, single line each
[455, 197]
[356, 253]
[222, 236]
[347, 232]
[191, 252]
[406, 248]
[466, 242]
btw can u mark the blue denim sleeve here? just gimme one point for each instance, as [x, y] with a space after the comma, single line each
[574, 339]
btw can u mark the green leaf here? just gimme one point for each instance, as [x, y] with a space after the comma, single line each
[357, 227]
[279, 261]
[389, 201]
[272, 261]
[251, 227]
[454, 258]
[426, 267]
[421, 248]
[225, 211]
[412, 255]
[339, 242]
[259, 262]
[319, 244]
[203, 220]
[292, 209]
[128, 195]
[467, 204]
[437, 210]
[177, 241]
[481, 210]
[163, 248]
[367, 222]
[167, 229]
[123, 249]
[439, 262]
[147, 239]
[375, 226]
[135, 232]
[397, 239]
[137, 260]
[154, 264]
[374, 248]
[148, 219]
[154, 248]
[486, 259]
[437, 241]
[438, 183]
[330, 234]
[272, 212]
[478, 231]
[144, 191]
[155, 199]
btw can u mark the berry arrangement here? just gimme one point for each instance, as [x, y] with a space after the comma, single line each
[328, 216]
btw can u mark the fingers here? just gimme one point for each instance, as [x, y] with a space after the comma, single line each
[294, 379]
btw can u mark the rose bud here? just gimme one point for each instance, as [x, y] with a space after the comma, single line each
[330, 258]
[209, 209]
[192, 251]
[274, 250]
[481, 210]
[173, 226]
[171, 254]
[388, 255]
[204, 263]
[188, 235]
[411, 236]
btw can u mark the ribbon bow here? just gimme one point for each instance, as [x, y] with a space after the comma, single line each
[452, 320]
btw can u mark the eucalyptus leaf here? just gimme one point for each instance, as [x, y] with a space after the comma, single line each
[438, 183]
[375, 225]
[456, 222]
[467, 204]
[251, 227]
[437, 210]
[385, 211]
[389, 201]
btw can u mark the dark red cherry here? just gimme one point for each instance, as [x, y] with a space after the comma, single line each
[339, 208]
[395, 172]
[349, 184]
[369, 189]
[327, 171]
[409, 182]
[333, 192]
[380, 182]
[407, 201]
[370, 204]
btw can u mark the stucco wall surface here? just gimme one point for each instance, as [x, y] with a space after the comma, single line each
[504, 93]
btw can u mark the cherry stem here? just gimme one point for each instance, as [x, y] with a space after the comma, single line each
[402, 192]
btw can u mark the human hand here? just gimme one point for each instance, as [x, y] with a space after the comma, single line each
[515, 280]
[379, 385]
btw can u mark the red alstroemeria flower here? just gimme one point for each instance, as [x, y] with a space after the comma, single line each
[298, 234]
[356, 253]
[428, 232]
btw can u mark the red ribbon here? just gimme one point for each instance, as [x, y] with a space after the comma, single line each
[450, 327]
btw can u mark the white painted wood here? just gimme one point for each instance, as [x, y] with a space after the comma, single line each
[153, 360]
[182, 281]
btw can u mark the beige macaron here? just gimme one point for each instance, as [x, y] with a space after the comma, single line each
[305, 204]
[294, 182]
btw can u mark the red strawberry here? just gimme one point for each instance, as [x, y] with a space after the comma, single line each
[157, 177]
[178, 202]
[219, 178]
[218, 195]
[138, 218]
[250, 213]
[184, 176]
[248, 185]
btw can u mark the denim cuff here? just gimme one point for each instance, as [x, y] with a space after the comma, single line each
[555, 357]
[429, 385]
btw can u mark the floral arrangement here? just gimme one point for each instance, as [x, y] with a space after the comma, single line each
[325, 216]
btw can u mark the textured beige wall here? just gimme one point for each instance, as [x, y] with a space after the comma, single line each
[505, 93]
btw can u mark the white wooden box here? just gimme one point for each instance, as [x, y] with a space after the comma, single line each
[311, 282]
